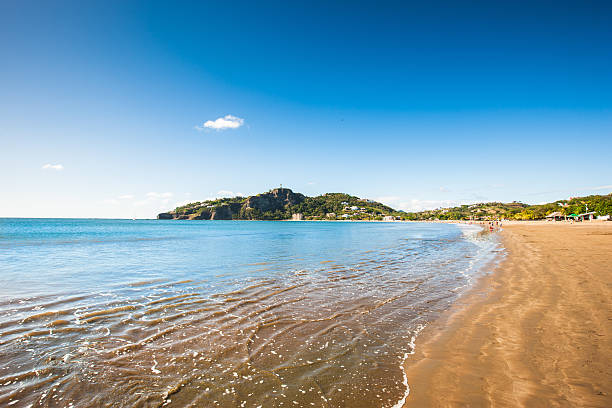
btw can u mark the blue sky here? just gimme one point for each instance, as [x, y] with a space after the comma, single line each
[418, 105]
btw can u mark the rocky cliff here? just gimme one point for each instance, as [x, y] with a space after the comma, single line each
[284, 204]
[278, 199]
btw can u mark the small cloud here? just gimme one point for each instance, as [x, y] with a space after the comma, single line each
[154, 194]
[400, 203]
[126, 197]
[544, 192]
[180, 203]
[111, 201]
[311, 183]
[422, 205]
[444, 189]
[227, 193]
[388, 200]
[226, 122]
[152, 198]
[608, 187]
[57, 167]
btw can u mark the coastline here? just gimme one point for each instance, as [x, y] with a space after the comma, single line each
[342, 316]
[535, 332]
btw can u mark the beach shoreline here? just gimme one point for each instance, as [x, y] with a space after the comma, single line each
[535, 332]
[301, 315]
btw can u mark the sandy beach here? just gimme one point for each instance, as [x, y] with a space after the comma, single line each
[537, 332]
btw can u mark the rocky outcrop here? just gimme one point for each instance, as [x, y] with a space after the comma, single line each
[273, 200]
[276, 199]
[222, 212]
[204, 215]
[283, 204]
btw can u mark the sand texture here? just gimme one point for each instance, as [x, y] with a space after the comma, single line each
[535, 333]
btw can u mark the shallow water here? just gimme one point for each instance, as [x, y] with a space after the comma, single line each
[221, 313]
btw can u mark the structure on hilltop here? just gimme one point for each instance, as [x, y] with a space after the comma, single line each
[283, 204]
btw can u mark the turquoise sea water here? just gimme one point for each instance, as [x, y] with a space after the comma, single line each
[221, 313]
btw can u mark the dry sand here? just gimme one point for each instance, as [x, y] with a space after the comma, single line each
[535, 333]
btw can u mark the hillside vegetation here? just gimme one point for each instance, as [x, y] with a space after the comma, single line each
[601, 204]
[282, 204]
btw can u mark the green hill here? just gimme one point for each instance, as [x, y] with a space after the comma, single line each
[282, 204]
[601, 204]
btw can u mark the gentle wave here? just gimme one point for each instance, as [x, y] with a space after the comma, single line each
[325, 331]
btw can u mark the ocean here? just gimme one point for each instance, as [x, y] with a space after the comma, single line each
[150, 313]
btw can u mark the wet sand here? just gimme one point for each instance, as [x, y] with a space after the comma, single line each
[535, 333]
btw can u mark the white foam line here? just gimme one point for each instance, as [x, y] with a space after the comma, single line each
[489, 250]
[412, 345]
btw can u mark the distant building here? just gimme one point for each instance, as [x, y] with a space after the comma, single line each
[589, 216]
[556, 216]
[330, 215]
[388, 218]
[297, 217]
[354, 208]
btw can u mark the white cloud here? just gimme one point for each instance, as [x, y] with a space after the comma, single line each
[311, 183]
[227, 193]
[154, 194]
[444, 189]
[126, 197]
[180, 203]
[57, 167]
[226, 122]
[154, 198]
[388, 200]
[609, 187]
[111, 201]
[420, 205]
